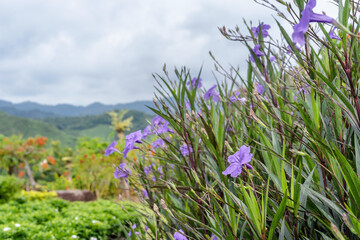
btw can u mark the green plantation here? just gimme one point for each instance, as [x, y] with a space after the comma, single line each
[269, 153]
[55, 218]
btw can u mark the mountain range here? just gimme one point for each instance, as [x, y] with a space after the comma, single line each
[39, 111]
[65, 122]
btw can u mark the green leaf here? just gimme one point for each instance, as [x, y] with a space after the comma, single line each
[279, 213]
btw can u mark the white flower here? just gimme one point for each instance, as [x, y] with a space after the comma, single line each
[56, 210]
[93, 238]
[76, 218]
[73, 236]
[95, 221]
[7, 229]
[17, 225]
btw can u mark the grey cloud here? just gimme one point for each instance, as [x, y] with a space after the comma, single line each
[79, 52]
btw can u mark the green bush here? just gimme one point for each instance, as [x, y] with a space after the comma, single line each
[59, 219]
[9, 186]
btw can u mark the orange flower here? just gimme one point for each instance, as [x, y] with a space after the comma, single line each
[134, 159]
[20, 149]
[85, 156]
[45, 165]
[81, 161]
[66, 173]
[40, 141]
[51, 159]
[21, 165]
[21, 174]
[29, 142]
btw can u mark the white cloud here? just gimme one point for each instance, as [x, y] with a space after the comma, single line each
[65, 51]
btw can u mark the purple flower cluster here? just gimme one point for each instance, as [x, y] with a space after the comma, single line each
[257, 52]
[133, 227]
[180, 235]
[237, 161]
[122, 172]
[160, 125]
[148, 170]
[145, 193]
[158, 143]
[264, 30]
[260, 89]
[195, 83]
[308, 16]
[235, 98]
[185, 151]
[212, 93]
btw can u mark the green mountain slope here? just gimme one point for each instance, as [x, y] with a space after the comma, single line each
[10, 125]
[96, 125]
[68, 129]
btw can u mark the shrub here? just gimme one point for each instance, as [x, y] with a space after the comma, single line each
[59, 219]
[35, 195]
[9, 186]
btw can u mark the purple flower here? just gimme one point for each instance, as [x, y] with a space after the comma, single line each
[145, 193]
[161, 125]
[212, 93]
[260, 89]
[332, 34]
[214, 237]
[133, 227]
[257, 52]
[171, 165]
[131, 139]
[121, 172]
[146, 228]
[158, 143]
[160, 170]
[111, 148]
[235, 97]
[146, 132]
[185, 151]
[264, 28]
[148, 170]
[295, 98]
[153, 178]
[187, 104]
[158, 121]
[194, 81]
[180, 235]
[272, 59]
[308, 16]
[237, 161]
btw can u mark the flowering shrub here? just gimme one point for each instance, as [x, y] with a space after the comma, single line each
[274, 155]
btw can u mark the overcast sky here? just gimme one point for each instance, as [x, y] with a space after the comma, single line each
[85, 51]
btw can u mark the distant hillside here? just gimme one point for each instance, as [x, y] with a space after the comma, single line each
[10, 125]
[67, 129]
[38, 111]
[96, 125]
